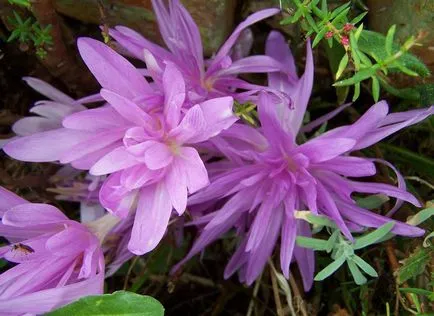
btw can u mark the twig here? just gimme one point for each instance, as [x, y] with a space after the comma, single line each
[279, 308]
[130, 270]
[255, 293]
[297, 295]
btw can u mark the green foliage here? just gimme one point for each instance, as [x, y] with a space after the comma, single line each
[414, 265]
[119, 303]
[22, 3]
[29, 31]
[366, 55]
[342, 249]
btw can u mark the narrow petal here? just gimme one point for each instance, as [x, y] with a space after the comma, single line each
[288, 235]
[194, 168]
[301, 94]
[367, 218]
[117, 199]
[46, 146]
[218, 116]
[150, 224]
[319, 150]
[97, 142]
[115, 160]
[176, 186]
[174, 94]
[255, 17]
[349, 166]
[112, 70]
[126, 108]
[252, 64]
[95, 119]
[278, 48]
[48, 90]
[192, 125]
[8, 200]
[33, 214]
[34, 124]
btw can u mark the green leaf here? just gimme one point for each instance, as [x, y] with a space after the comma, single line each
[358, 77]
[421, 217]
[23, 3]
[319, 36]
[366, 267]
[342, 66]
[119, 303]
[311, 243]
[417, 291]
[358, 32]
[372, 237]
[355, 272]
[375, 89]
[372, 201]
[426, 242]
[373, 43]
[356, 91]
[358, 18]
[331, 242]
[389, 40]
[338, 10]
[414, 265]
[330, 269]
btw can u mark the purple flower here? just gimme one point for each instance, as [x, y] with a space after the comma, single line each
[57, 260]
[279, 177]
[204, 78]
[143, 138]
[50, 112]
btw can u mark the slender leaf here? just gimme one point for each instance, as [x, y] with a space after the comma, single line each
[358, 77]
[375, 89]
[366, 267]
[355, 272]
[421, 216]
[414, 265]
[330, 269]
[311, 243]
[389, 40]
[342, 66]
[373, 237]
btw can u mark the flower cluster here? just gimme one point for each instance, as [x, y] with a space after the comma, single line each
[165, 138]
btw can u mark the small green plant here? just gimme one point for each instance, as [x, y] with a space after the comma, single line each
[363, 55]
[343, 250]
[28, 30]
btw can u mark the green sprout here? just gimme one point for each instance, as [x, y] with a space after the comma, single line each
[343, 250]
[363, 55]
[22, 29]
[26, 31]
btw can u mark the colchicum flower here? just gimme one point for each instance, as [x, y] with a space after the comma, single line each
[142, 138]
[205, 79]
[279, 177]
[57, 260]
